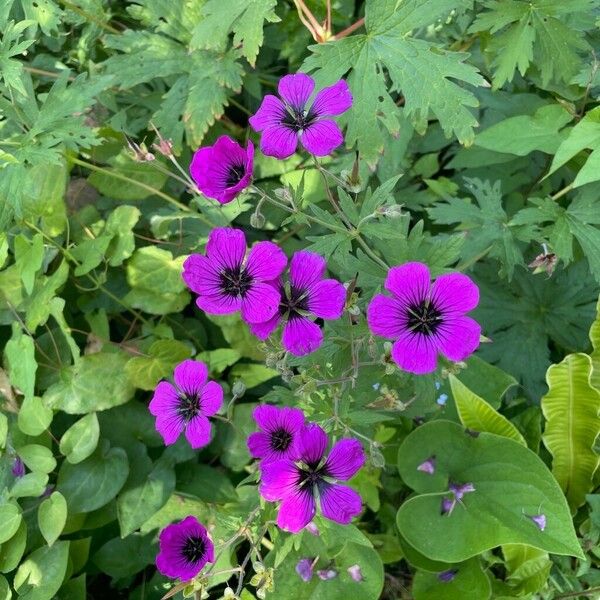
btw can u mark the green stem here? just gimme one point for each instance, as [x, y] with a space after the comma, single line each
[586, 593]
[562, 192]
[88, 16]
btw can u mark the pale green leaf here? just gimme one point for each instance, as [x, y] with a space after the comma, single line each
[81, 439]
[52, 516]
[41, 574]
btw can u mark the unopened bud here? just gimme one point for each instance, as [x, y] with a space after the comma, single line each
[164, 147]
[393, 212]
[239, 388]
[355, 572]
[427, 466]
[257, 220]
[327, 574]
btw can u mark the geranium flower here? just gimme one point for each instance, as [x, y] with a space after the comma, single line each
[285, 120]
[227, 281]
[426, 319]
[299, 483]
[185, 548]
[308, 296]
[280, 428]
[223, 170]
[186, 405]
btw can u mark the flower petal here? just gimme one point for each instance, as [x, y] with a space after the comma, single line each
[301, 336]
[197, 431]
[345, 459]
[211, 398]
[409, 282]
[278, 141]
[165, 399]
[322, 138]
[312, 443]
[340, 503]
[327, 299]
[190, 376]
[226, 247]
[415, 353]
[296, 511]
[278, 479]
[455, 293]
[271, 418]
[296, 89]
[458, 338]
[170, 426]
[259, 444]
[306, 269]
[270, 113]
[219, 305]
[332, 100]
[263, 330]
[201, 275]
[385, 317]
[266, 261]
[260, 303]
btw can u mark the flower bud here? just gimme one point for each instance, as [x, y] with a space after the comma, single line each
[18, 467]
[355, 572]
[257, 220]
[304, 568]
[312, 528]
[447, 576]
[327, 574]
[239, 388]
[427, 466]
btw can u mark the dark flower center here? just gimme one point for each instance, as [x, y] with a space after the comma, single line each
[312, 475]
[193, 549]
[280, 439]
[298, 119]
[424, 317]
[235, 281]
[235, 173]
[295, 302]
[189, 407]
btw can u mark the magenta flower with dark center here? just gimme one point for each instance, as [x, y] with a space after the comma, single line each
[307, 296]
[285, 120]
[226, 280]
[426, 319]
[280, 428]
[223, 170]
[185, 548]
[186, 405]
[313, 477]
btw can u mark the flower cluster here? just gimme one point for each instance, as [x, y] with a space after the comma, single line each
[229, 278]
[296, 470]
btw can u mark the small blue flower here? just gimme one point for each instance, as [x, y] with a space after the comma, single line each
[442, 399]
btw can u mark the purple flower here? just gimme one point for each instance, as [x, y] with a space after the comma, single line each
[226, 280]
[327, 574]
[427, 466]
[459, 490]
[539, 520]
[425, 319]
[280, 428]
[355, 572]
[312, 529]
[447, 576]
[448, 505]
[186, 405]
[185, 548]
[298, 483]
[285, 120]
[18, 467]
[222, 171]
[307, 296]
[304, 568]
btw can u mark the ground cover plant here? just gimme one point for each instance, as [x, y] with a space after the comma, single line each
[299, 299]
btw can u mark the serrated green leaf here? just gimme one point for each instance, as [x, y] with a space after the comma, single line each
[571, 408]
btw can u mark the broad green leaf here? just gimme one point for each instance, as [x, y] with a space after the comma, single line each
[20, 355]
[12, 551]
[485, 380]
[155, 278]
[125, 557]
[237, 336]
[469, 583]
[144, 495]
[121, 181]
[34, 417]
[146, 371]
[29, 255]
[218, 360]
[30, 485]
[528, 568]
[523, 134]
[252, 375]
[5, 592]
[586, 134]
[94, 482]
[52, 516]
[245, 19]
[3, 430]
[97, 382]
[81, 439]
[511, 483]
[476, 414]
[37, 458]
[571, 408]
[10, 517]
[41, 574]
[422, 72]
